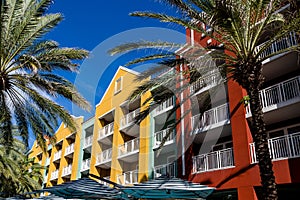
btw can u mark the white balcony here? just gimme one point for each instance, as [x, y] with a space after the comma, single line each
[283, 147]
[160, 135]
[283, 43]
[85, 165]
[57, 156]
[129, 119]
[69, 150]
[164, 106]
[67, 170]
[205, 82]
[106, 131]
[54, 175]
[165, 170]
[104, 158]
[88, 141]
[129, 150]
[279, 95]
[128, 178]
[212, 118]
[213, 161]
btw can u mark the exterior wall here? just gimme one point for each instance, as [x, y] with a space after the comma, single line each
[62, 138]
[114, 104]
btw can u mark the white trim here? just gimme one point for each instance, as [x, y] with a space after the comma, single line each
[192, 37]
[111, 82]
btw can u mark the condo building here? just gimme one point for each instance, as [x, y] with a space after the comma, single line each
[211, 146]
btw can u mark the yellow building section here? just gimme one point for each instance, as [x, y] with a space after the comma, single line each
[115, 136]
[61, 159]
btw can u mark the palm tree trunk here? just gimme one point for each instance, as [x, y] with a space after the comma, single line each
[259, 134]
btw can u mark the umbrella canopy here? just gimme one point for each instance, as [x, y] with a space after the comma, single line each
[84, 188]
[173, 188]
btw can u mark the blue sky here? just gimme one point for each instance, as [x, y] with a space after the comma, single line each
[100, 25]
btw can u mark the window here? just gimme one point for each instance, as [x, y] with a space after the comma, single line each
[118, 85]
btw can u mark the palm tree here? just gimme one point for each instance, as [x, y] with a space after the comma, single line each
[239, 26]
[29, 83]
[21, 172]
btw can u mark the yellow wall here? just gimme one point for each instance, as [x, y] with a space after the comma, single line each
[110, 101]
[61, 136]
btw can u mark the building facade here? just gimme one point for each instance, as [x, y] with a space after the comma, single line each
[212, 146]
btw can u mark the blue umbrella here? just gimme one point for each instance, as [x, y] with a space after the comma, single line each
[84, 188]
[165, 188]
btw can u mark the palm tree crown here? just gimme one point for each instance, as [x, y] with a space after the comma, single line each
[28, 82]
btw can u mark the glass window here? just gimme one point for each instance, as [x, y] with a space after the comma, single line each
[118, 85]
[294, 129]
[276, 134]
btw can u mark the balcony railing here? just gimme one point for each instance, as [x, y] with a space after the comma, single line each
[88, 141]
[129, 177]
[213, 161]
[106, 130]
[287, 146]
[160, 135]
[129, 147]
[129, 118]
[57, 155]
[164, 106]
[85, 164]
[69, 149]
[54, 175]
[67, 170]
[104, 156]
[165, 170]
[281, 44]
[214, 116]
[282, 92]
[206, 81]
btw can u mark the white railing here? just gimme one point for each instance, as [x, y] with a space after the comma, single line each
[57, 155]
[54, 175]
[85, 165]
[214, 116]
[279, 93]
[129, 118]
[88, 141]
[160, 135]
[69, 149]
[106, 130]
[168, 104]
[213, 161]
[104, 156]
[129, 147]
[129, 177]
[281, 44]
[206, 81]
[67, 170]
[168, 170]
[287, 146]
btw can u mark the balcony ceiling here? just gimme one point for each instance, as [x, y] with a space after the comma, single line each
[280, 65]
